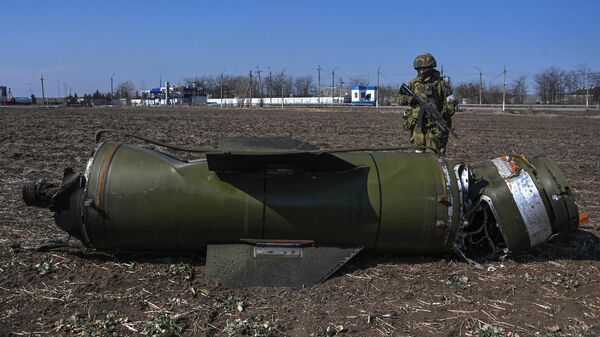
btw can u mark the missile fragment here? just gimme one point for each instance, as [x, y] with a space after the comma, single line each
[275, 211]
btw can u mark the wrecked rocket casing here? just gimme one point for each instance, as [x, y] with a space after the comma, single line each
[286, 214]
[134, 199]
[529, 199]
[141, 200]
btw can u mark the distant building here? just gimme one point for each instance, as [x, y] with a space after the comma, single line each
[364, 95]
[193, 96]
[22, 101]
[3, 96]
[176, 96]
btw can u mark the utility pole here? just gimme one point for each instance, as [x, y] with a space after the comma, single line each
[480, 85]
[221, 89]
[333, 85]
[111, 88]
[587, 91]
[58, 92]
[377, 91]
[504, 91]
[167, 94]
[319, 85]
[259, 87]
[43, 94]
[282, 87]
[250, 105]
[270, 87]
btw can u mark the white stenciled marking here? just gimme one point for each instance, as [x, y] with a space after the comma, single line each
[528, 200]
[448, 188]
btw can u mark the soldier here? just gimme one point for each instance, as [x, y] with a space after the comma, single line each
[430, 85]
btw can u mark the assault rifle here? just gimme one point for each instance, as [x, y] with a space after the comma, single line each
[429, 110]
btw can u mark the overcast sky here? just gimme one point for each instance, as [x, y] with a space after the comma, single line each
[83, 43]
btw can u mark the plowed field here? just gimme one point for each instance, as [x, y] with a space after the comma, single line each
[551, 290]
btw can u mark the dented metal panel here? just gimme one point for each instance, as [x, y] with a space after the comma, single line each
[246, 265]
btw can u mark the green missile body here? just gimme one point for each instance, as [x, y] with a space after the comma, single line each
[291, 215]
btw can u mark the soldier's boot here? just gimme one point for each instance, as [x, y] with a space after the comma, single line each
[442, 144]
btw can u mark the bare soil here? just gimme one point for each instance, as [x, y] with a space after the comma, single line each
[552, 290]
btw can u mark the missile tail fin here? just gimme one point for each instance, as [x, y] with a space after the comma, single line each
[277, 263]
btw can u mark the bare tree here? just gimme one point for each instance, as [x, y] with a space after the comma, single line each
[550, 85]
[205, 84]
[303, 86]
[518, 89]
[287, 82]
[358, 81]
[492, 94]
[594, 84]
[126, 90]
[573, 81]
[387, 94]
[581, 76]
[238, 86]
[467, 90]
[196, 81]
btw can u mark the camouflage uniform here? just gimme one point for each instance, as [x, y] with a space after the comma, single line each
[433, 88]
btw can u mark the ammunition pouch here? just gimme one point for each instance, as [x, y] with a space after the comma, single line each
[409, 122]
[407, 113]
[450, 108]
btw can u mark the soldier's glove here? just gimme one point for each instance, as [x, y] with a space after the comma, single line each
[407, 113]
[450, 105]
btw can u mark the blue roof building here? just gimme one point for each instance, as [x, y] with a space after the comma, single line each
[364, 95]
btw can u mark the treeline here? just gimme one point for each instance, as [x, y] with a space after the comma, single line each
[237, 86]
[278, 85]
[552, 86]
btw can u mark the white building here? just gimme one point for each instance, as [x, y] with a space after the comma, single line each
[364, 95]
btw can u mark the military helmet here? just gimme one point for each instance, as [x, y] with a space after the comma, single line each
[424, 61]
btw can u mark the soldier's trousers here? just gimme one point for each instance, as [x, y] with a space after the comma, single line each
[430, 137]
